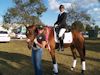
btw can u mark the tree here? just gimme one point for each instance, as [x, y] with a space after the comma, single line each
[6, 18]
[25, 12]
[74, 15]
[81, 19]
[96, 27]
[88, 27]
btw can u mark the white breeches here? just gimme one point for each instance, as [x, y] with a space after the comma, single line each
[62, 31]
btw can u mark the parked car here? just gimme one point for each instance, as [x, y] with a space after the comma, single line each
[21, 36]
[4, 36]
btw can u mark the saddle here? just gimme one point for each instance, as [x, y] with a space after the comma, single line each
[67, 37]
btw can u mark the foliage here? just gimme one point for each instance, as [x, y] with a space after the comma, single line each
[97, 27]
[76, 15]
[88, 27]
[25, 12]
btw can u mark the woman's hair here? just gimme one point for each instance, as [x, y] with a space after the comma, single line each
[61, 6]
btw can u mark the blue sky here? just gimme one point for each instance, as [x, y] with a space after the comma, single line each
[4, 5]
[49, 17]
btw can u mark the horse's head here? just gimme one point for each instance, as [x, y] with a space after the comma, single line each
[31, 33]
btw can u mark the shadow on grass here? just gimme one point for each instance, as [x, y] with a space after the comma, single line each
[90, 47]
[87, 58]
[93, 47]
[19, 64]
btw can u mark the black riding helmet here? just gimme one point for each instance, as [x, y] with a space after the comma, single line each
[61, 6]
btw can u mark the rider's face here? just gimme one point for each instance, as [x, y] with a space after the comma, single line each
[61, 9]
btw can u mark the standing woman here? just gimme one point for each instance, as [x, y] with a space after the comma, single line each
[39, 45]
[61, 25]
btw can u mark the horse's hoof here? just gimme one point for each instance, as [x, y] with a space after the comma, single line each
[72, 68]
[82, 73]
[55, 74]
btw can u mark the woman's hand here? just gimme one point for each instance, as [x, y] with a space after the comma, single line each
[44, 43]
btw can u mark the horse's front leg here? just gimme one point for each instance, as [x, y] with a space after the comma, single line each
[55, 65]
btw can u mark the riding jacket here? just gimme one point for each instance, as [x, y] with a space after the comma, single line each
[61, 21]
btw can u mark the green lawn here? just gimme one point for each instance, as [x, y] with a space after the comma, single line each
[15, 59]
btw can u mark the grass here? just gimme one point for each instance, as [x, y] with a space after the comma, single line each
[15, 59]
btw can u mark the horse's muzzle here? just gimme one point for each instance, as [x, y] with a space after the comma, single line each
[29, 43]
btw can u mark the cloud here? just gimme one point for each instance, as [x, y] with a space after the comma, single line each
[99, 17]
[54, 5]
[95, 11]
[98, 23]
[78, 1]
[86, 4]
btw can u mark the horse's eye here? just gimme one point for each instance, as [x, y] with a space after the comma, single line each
[27, 32]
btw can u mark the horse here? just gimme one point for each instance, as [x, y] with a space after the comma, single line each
[78, 43]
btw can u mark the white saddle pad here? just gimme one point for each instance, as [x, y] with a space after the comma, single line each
[67, 38]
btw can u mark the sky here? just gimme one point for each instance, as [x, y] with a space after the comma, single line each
[49, 17]
[4, 5]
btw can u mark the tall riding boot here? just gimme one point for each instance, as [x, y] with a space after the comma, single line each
[61, 45]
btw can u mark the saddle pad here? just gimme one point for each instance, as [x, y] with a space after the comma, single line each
[67, 37]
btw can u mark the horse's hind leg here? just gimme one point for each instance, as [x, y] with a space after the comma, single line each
[81, 51]
[74, 57]
[83, 60]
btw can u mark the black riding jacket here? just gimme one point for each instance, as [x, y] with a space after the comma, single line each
[61, 21]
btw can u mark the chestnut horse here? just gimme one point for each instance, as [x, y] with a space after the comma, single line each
[78, 43]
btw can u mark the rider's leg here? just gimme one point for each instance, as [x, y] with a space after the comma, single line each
[61, 33]
[61, 44]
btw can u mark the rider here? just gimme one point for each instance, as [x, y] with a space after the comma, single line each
[61, 25]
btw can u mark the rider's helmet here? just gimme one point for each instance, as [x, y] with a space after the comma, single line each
[61, 6]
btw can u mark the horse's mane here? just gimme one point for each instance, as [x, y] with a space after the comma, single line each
[31, 26]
